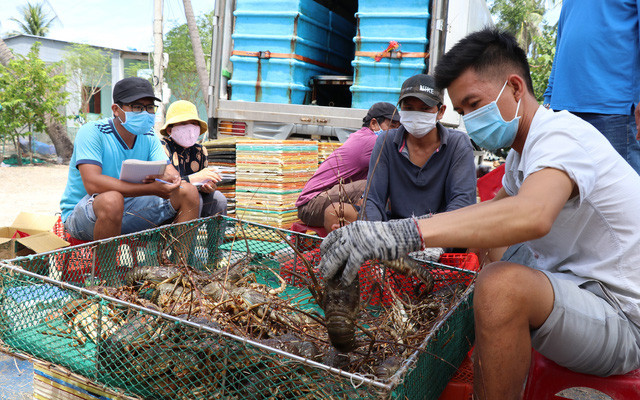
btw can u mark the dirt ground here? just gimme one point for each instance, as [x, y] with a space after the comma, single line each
[36, 189]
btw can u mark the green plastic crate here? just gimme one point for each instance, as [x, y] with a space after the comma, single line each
[190, 360]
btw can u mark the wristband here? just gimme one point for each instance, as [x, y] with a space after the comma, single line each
[423, 245]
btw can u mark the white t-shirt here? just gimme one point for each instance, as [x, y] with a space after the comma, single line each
[596, 236]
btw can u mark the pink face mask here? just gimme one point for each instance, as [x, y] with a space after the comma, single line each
[185, 135]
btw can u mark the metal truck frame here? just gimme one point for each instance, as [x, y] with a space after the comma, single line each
[450, 21]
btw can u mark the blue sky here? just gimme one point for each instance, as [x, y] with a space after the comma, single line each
[121, 24]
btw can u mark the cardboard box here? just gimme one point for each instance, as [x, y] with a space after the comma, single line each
[29, 234]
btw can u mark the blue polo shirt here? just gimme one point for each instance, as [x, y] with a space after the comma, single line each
[597, 63]
[446, 182]
[99, 143]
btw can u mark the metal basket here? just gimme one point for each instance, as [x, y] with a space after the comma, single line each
[50, 310]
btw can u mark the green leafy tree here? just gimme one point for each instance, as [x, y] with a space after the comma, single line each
[541, 61]
[181, 74]
[525, 20]
[133, 68]
[31, 95]
[521, 18]
[88, 69]
[35, 20]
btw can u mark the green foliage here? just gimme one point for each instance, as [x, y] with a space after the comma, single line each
[181, 74]
[524, 20]
[521, 18]
[35, 20]
[89, 68]
[133, 68]
[542, 60]
[30, 92]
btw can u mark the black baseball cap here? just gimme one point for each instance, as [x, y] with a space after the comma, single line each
[423, 87]
[130, 89]
[382, 110]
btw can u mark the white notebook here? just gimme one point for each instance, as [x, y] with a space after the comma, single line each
[135, 171]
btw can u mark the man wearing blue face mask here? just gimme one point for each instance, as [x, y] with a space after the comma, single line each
[96, 204]
[567, 195]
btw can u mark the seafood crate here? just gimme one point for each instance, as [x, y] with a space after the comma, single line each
[119, 327]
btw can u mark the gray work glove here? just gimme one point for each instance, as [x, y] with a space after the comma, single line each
[428, 254]
[360, 241]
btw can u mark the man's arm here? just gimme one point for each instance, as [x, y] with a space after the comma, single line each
[95, 182]
[637, 114]
[528, 215]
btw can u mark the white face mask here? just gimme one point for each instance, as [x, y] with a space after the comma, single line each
[185, 135]
[418, 123]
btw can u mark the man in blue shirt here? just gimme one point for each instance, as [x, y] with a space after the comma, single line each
[596, 70]
[422, 167]
[96, 204]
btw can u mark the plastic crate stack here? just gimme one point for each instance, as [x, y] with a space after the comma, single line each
[325, 149]
[270, 176]
[222, 155]
[280, 44]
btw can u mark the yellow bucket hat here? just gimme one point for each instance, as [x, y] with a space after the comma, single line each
[181, 111]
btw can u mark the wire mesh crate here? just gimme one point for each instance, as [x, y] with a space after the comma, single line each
[74, 307]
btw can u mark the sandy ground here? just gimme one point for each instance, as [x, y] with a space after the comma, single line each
[36, 189]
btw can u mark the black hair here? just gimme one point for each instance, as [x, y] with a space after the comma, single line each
[366, 121]
[488, 52]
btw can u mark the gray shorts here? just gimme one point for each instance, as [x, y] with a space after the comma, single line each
[140, 213]
[586, 331]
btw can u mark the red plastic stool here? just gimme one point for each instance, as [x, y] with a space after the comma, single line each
[490, 184]
[460, 387]
[547, 379]
[75, 266]
[302, 228]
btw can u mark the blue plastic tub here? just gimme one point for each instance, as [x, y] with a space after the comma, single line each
[378, 24]
[272, 80]
[381, 81]
[321, 40]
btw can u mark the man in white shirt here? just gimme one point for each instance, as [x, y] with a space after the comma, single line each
[567, 194]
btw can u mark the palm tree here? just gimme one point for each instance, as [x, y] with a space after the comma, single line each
[522, 18]
[36, 20]
[198, 54]
[5, 53]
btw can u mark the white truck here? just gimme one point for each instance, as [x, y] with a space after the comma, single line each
[445, 22]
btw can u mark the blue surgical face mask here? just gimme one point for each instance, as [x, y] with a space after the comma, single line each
[487, 127]
[138, 123]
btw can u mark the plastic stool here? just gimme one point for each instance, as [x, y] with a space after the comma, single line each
[547, 379]
[460, 387]
[302, 228]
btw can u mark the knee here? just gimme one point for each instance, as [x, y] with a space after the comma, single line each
[189, 194]
[221, 200]
[109, 205]
[500, 285]
[332, 217]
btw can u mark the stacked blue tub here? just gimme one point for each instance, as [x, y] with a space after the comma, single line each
[380, 22]
[280, 44]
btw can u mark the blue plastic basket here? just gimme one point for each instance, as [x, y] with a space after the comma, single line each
[320, 40]
[378, 24]
[271, 80]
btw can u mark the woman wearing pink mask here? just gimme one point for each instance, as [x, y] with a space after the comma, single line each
[179, 136]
